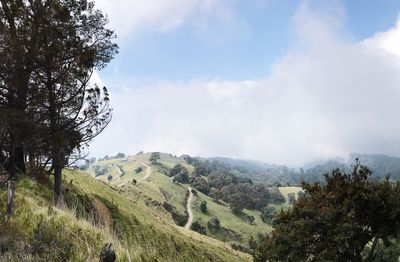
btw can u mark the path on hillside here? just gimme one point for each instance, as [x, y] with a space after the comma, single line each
[148, 172]
[189, 209]
[120, 173]
[104, 213]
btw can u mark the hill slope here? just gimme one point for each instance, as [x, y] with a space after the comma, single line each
[169, 200]
[97, 213]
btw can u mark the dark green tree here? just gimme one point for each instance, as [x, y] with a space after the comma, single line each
[203, 206]
[343, 219]
[201, 184]
[267, 214]
[49, 110]
[154, 157]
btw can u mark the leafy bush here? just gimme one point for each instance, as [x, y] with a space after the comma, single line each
[203, 206]
[196, 226]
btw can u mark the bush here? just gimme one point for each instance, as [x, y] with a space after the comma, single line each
[203, 206]
[214, 224]
[267, 214]
[196, 226]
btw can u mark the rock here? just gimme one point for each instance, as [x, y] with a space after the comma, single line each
[107, 253]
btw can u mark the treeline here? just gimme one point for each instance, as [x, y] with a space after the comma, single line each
[49, 109]
[281, 175]
[218, 181]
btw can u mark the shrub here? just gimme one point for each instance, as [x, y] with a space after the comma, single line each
[203, 206]
[196, 226]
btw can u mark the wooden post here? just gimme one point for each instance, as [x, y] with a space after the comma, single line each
[10, 197]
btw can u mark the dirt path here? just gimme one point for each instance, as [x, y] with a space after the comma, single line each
[148, 172]
[104, 213]
[189, 209]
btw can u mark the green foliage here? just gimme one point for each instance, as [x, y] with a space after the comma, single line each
[196, 226]
[201, 184]
[291, 198]
[250, 219]
[154, 157]
[180, 174]
[214, 224]
[335, 221]
[267, 214]
[100, 171]
[41, 232]
[138, 170]
[203, 206]
[180, 219]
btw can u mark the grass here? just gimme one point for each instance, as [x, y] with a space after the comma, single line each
[40, 232]
[160, 188]
[229, 220]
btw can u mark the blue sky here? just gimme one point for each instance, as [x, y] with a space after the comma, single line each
[241, 49]
[274, 80]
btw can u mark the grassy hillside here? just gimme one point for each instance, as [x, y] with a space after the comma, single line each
[97, 213]
[159, 190]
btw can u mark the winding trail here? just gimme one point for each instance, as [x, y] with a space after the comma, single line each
[189, 209]
[148, 172]
[147, 176]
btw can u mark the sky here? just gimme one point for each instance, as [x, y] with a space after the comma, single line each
[281, 81]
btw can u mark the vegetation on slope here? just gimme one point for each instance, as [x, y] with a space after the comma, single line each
[40, 232]
[166, 196]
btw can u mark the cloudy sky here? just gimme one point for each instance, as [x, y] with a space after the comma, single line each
[281, 81]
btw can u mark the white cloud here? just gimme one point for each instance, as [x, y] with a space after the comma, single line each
[127, 16]
[335, 98]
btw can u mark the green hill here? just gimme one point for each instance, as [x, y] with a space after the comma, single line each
[96, 213]
[168, 199]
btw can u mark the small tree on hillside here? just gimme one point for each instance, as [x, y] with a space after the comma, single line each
[203, 206]
[154, 157]
[344, 219]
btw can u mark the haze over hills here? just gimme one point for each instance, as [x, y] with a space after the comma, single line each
[381, 165]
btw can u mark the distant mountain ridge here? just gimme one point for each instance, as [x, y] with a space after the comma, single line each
[381, 165]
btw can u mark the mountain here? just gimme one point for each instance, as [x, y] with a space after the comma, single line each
[381, 165]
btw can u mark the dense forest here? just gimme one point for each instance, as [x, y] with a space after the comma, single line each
[381, 166]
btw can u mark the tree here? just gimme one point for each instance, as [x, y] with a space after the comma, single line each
[73, 44]
[201, 184]
[203, 206]
[120, 155]
[179, 173]
[154, 157]
[196, 226]
[237, 202]
[267, 214]
[49, 50]
[291, 198]
[250, 219]
[343, 219]
[182, 177]
[215, 194]
[214, 224]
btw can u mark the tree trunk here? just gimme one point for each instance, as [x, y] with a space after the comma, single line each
[19, 158]
[58, 198]
[10, 197]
